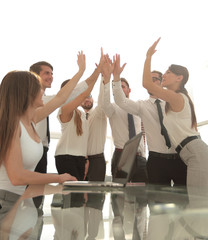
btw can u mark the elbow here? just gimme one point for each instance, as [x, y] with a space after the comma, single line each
[147, 86]
[17, 181]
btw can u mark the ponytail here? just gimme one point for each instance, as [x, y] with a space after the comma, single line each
[180, 70]
[78, 122]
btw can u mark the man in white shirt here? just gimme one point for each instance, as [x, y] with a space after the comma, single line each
[163, 164]
[119, 126]
[45, 71]
[97, 137]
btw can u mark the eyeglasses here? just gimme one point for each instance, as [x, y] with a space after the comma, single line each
[154, 79]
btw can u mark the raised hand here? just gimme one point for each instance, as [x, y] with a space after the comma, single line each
[81, 61]
[107, 69]
[117, 68]
[102, 61]
[152, 49]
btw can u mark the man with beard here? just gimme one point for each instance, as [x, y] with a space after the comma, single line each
[96, 140]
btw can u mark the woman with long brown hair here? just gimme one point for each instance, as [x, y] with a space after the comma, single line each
[180, 119]
[21, 107]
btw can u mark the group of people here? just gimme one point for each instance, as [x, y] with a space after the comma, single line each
[167, 119]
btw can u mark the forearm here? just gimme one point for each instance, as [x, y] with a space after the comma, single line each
[58, 100]
[26, 177]
[68, 88]
[147, 79]
[68, 108]
[122, 101]
[93, 78]
[101, 92]
[106, 105]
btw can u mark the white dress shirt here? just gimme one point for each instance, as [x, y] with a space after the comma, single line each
[119, 121]
[97, 127]
[147, 111]
[41, 127]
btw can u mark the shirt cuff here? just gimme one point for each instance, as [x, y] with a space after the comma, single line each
[116, 84]
[106, 86]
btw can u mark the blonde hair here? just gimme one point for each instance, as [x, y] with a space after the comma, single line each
[18, 91]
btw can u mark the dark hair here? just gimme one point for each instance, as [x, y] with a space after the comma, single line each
[77, 118]
[36, 67]
[183, 71]
[159, 73]
[125, 81]
[18, 91]
[65, 82]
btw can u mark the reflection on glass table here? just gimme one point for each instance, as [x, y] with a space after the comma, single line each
[136, 212]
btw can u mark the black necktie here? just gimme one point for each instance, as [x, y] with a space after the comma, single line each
[163, 129]
[48, 130]
[87, 114]
[131, 126]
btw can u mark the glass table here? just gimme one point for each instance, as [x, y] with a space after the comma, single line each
[134, 212]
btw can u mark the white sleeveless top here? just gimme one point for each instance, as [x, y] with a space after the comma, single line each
[31, 154]
[178, 124]
[70, 143]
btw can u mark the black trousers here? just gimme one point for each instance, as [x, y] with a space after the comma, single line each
[74, 165]
[162, 168]
[97, 167]
[42, 164]
[139, 171]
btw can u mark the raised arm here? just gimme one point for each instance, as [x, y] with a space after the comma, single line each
[169, 95]
[117, 70]
[68, 108]
[63, 94]
[105, 103]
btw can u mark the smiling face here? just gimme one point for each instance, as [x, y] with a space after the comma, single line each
[87, 104]
[46, 75]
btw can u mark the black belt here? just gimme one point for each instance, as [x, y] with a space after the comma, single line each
[95, 156]
[163, 155]
[184, 142]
